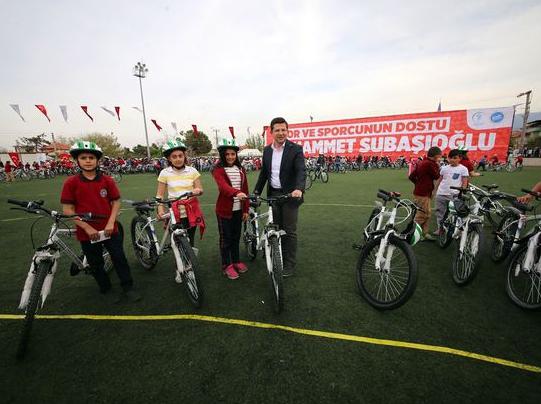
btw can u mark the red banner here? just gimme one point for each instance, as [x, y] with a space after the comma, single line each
[85, 110]
[43, 110]
[156, 124]
[195, 132]
[481, 131]
[117, 110]
[232, 131]
[15, 158]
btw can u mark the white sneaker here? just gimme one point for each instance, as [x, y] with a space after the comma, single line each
[195, 251]
[178, 277]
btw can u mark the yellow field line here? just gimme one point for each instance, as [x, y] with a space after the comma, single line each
[315, 333]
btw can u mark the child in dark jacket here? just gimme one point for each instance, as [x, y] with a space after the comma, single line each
[231, 206]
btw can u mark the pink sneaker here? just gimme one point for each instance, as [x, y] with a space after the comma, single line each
[240, 267]
[230, 272]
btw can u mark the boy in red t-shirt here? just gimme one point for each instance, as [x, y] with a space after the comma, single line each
[92, 192]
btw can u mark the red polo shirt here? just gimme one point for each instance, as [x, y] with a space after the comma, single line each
[427, 172]
[94, 196]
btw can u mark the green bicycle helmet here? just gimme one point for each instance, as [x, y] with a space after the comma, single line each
[84, 146]
[228, 144]
[172, 145]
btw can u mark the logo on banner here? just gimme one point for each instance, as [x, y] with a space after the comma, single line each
[477, 118]
[496, 117]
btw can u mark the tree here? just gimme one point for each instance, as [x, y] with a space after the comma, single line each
[108, 143]
[32, 144]
[255, 142]
[139, 151]
[196, 145]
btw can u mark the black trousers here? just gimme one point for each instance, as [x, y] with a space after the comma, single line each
[286, 215]
[230, 230]
[94, 255]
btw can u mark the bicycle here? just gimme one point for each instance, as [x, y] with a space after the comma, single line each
[387, 267]
[319, 173]
[464, 224]
[523, 281]
[508, 233]
[44, 264]
[148, 249]
[269, 241]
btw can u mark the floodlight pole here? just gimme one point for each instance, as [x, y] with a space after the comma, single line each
[140, 70]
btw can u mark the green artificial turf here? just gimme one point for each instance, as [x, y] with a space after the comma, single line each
[192, 361]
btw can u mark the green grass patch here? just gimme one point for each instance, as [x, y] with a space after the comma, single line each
[188, 361]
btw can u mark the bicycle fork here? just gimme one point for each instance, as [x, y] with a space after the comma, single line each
[528, 263]
[385, 253]
[39, 257]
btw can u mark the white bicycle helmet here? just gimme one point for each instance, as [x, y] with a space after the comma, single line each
[172, 145]
[85, 146]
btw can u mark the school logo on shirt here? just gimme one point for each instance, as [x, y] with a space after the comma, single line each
[103, 193]
[456, 176]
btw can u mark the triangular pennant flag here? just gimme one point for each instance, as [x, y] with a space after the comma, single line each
[43, 110]
[156, 124]
[64, 111]
[138, 109]
[108, 111]
[174, 125]
[117, 110]
[265, 128]
[17, 110]
[85, 110]
[195, 132]
[232, 131]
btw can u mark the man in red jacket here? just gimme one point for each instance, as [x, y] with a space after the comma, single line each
[423, 177]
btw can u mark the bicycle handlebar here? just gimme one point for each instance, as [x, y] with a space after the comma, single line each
[169, 201]
[537, 195]
[37, 206]
[257, 197]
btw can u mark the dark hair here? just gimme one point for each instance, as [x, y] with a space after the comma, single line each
[433, 151]
[454, 153]
[222, 162]
[278, 120]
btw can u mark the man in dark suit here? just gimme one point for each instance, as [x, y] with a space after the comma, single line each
[284, 169]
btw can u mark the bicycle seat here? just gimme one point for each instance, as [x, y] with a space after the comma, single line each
[490, 187]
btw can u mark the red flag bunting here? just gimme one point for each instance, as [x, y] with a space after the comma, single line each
[265, 128]
[156, 124]
[117, 110]
[195, 132]
[43, 111]
[232, 130]
[85, 110]
[15, 158]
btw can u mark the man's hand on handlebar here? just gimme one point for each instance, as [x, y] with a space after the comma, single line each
[296, 193]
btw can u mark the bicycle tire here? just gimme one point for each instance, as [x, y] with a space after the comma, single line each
[534, 278]
[408, 286]
[31, 308]
[324, 177]
[503, 243]
[447, 229]
[465, 276]
[137, 226]
[190, 275]
[276, 276]
[313, 175]
[308, 183]
[250, 241]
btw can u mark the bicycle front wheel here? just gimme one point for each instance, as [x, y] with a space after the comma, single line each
[390, 286]
[42, 270]
[466, 265]
[190, 274]
[250, 240]
[523, 287]
[446, 230]
[276, 278]
[308, 183]
[143, 243]
[324, 177]
[504, 237]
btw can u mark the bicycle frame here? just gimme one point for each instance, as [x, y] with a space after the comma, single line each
[462, 225]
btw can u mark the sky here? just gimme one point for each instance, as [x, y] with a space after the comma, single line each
[241, 63]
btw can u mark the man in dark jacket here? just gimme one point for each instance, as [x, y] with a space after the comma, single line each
[284, 169]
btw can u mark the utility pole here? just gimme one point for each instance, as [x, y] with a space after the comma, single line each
[528, 95]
